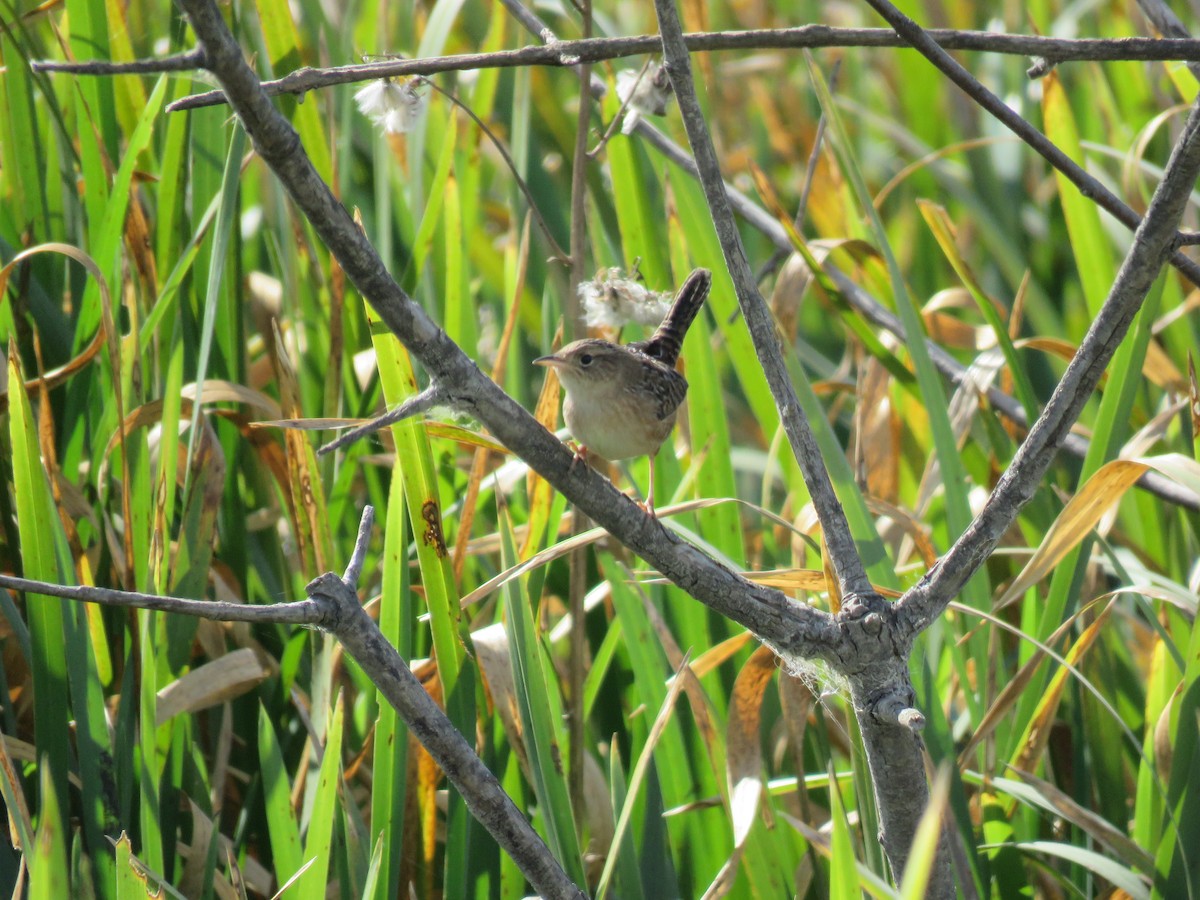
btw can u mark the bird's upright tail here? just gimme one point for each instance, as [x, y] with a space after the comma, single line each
[667, 341]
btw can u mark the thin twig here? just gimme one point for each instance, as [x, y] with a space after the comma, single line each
[188, 61]
[566, 53]
[559, 254]
[1163, 18]
[810, 173]
[530, 21]
[415, 405]
[303, 612]
[616, 121]
[361, 541]
[573, 314]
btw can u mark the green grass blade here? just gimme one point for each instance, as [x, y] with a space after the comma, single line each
[37, 527]
[1090, 246]
[49, 876]
[286, 852]
[20, 140]
[318, 841]
[626, 876]
[396, 614]
[222, 234]
[640, 220]
[542, 738]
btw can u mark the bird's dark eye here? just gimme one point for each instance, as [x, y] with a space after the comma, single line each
[586, 359]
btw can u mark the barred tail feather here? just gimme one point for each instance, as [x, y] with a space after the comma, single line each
[667, 341]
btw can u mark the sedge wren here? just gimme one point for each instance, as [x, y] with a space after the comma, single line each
[621, 400]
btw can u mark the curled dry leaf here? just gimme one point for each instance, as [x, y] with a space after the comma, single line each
[877, 432]
[1164, 752]
[743, 762]
[1037, 732]
[213, 683]
[1085, 509]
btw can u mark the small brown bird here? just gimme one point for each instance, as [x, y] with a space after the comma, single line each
[622, 400]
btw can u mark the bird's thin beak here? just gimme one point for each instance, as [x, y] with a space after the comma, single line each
[552, 361]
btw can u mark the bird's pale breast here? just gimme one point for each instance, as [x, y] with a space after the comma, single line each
[621, 424]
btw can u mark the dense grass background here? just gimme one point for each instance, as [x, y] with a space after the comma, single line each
[165, 267]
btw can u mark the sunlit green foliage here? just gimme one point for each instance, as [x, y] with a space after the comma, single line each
[206, 305]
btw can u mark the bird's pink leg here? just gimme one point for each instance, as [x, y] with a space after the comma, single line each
[581, 454]
[648, 505]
